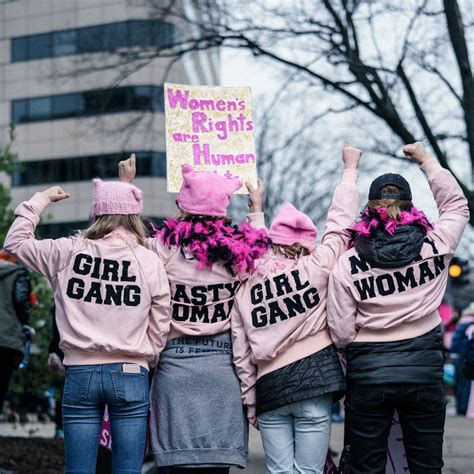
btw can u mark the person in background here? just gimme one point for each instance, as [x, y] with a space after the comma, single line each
[384, 295]
[459, 347]
[55, 363]
[15, 289]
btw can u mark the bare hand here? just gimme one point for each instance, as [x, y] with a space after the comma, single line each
[128, 169]
[254, 422]
[256, 196]
[351, 157]
[56, 193]
[416, 152]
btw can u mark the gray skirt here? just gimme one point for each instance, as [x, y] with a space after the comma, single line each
[197, 418]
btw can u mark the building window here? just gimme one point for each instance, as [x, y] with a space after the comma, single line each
[40, 47]
[92, 39]
[84, 168]
[19, 49]
[40, 108]
[64, 42]
[88, 103]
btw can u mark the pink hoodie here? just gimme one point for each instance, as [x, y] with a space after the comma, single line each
[112, 295]
[280, 313]
[388, 304]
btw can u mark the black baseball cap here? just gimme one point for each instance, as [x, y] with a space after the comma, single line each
[390, 179]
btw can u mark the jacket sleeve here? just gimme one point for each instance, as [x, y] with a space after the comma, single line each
[46, 257]
[21, 296]
[160, 310]
[257, 220]
[451, 202]
[341, 313]
[341, 214]
[242, 354]
[163, 252]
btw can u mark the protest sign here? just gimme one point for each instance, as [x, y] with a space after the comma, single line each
[210, 128]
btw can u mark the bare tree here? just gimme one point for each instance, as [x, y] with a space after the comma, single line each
[405, 65]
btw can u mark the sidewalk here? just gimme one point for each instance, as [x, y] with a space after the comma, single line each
[458, 447]
[458, 444]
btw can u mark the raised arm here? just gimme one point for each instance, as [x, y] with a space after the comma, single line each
[450, 200]
[342, 212]
[46, 257]
[245, 368]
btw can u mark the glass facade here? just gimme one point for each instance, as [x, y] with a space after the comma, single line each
[85, 168]
[88, 103]
[92, 39]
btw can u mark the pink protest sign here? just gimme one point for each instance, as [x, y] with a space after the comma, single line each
[210, 128]
[105, 436]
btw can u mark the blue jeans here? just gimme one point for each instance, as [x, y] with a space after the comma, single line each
[296, 437]
[86, 391]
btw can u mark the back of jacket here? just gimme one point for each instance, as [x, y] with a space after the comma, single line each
[201, 299]
[111, 294]
[388, 302]
[280, 311]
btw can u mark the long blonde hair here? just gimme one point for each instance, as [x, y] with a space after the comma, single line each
[394, 206]
[104, 225]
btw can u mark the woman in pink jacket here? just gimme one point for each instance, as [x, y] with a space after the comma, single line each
[383, 304]
[197, 423]
[284, 356]
[112, 311]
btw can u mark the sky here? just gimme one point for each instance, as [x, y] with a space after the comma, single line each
[263, 79]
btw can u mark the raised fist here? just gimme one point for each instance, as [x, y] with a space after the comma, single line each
[416, 152]
[128, 169]
[351, 156]
[56, 193]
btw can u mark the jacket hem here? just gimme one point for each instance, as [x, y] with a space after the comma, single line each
[221, 457]
[406, 330]
[297, 351]
[337, 389]
[97, 358]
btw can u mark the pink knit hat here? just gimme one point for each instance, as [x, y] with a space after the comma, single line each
[205, 192]
[291, 226]
[115, 197]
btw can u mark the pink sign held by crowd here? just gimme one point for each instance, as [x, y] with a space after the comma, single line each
[105, 436]
[210, 128]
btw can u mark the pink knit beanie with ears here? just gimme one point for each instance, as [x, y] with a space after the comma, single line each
[205, 193]
[291, 226]
[115, 197]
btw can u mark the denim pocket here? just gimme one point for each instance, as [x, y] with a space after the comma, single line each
[129, 387]
[431, 397]
[76, 386]
[365, 396]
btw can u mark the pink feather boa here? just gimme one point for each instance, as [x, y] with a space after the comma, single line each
[373, 220]
[210, 241]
